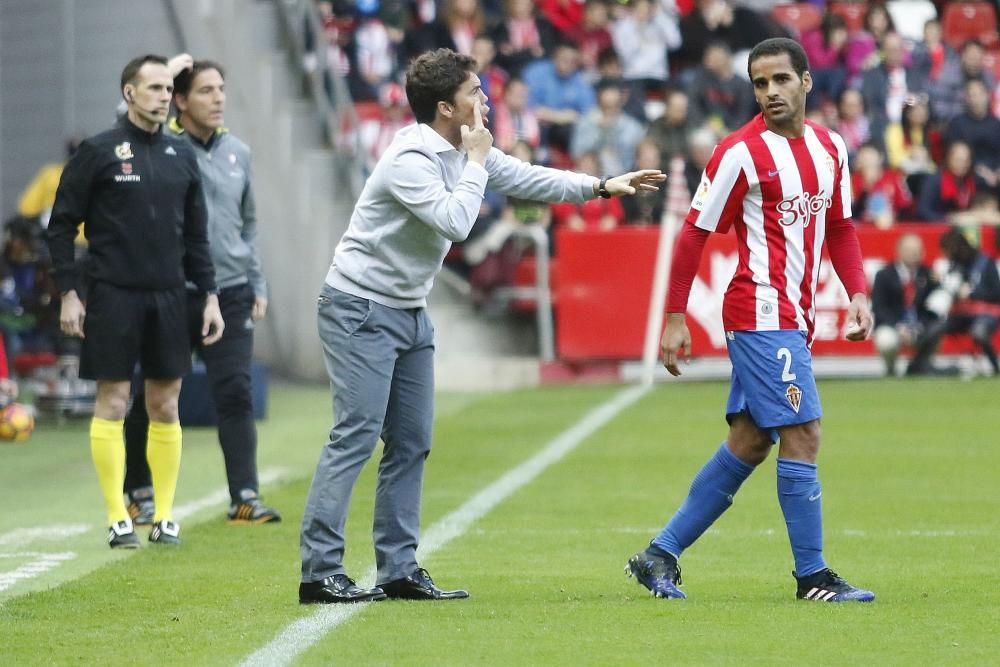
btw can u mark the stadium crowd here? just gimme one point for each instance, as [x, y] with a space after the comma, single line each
[911, 88]
[914, 94]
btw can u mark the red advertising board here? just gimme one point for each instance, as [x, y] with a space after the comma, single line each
[606, 278]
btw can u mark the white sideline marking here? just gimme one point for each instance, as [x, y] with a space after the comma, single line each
[41, 563]
[22, 536]
[300, 635]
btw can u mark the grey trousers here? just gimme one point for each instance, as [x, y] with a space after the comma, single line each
[380, 363]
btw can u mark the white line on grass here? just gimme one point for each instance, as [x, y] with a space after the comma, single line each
[40, 564]
[302, 634]
[22, 536]
[43, 562]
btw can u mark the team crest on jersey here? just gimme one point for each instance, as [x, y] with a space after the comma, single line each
[702, 194]
[831, 165]
[802, 208]
[124, 151]
[794, 396]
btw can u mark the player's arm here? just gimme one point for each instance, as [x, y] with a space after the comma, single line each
[255, 276]
[197, 261]
[676, 337]
[845, 251]
[68, 211]
[845, 255]
[714, 207]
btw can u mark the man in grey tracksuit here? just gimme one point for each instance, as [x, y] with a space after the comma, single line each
[378, 342]
[224, 162]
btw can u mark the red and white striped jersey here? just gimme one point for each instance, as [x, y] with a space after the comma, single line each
[778, 194]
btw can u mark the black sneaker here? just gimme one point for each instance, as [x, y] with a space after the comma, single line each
[165, 532]
[661, 575]
[122, 535]
[251, 510]
[141, 506]
[827, 586]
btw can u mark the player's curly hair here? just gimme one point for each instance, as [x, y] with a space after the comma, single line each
[775, 47]
[435, 77]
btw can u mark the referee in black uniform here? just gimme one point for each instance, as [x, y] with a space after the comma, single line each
[140, 192]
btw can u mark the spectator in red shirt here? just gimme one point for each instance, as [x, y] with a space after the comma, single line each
[853, 125]
[564, 15]
[952, 189]
[521, 37]
[880, 194]
[595, 214]
[592, 35]
[513, 120]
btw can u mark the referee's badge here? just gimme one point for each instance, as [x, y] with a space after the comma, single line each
[124, 151]
[794, 396]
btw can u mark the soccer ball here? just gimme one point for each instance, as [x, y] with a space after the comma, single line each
[16, 422]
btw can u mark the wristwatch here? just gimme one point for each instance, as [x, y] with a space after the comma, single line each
[602, 189]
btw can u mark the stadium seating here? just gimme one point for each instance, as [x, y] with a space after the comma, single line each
[800, 17]
[962, 21]
[853, 13]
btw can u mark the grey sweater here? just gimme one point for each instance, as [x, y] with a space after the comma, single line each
[232, 215]
[423, 195]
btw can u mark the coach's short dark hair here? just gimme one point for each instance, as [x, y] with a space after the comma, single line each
[435, 77]
[185, 79]
[132, 68]
[775, 47]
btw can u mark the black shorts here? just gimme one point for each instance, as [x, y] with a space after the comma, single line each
[125, 325]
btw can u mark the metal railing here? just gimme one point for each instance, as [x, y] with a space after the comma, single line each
[540, 292]
[301, 24]
[308, 46]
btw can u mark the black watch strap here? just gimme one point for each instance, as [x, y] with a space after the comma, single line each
[602, 189]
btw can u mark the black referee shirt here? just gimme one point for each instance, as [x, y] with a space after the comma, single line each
[141, 198]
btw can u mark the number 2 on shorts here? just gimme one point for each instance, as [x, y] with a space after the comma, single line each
[786, 375]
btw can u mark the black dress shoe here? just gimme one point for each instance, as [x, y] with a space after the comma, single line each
[419, 586]
[338, 588]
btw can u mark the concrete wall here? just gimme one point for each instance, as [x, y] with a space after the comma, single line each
[60, 63]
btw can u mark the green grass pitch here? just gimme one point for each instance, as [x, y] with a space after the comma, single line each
[911, 502]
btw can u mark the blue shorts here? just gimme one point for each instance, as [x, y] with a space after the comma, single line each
[772, 379]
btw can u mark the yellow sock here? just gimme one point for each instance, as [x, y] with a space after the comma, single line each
[163, 451]
[107, 448]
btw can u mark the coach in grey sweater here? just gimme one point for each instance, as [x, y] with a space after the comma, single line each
[378, 342]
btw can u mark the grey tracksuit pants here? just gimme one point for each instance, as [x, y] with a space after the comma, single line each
[380, 363]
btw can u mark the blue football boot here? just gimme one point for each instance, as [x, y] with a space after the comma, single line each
[827, 586]
[661, 575]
